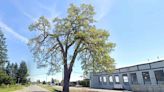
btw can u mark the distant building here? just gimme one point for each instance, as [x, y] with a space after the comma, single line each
[148, 77]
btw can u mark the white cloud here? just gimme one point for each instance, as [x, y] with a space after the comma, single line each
[102, 7]
[51, 9]
[41, 8]
[6, 28]
[28, 15]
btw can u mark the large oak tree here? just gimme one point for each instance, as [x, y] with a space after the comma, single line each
[74, 38]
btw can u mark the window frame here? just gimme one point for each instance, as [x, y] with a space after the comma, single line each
[157, 80]
[144, 80]
[100, 79]
[110, 79]
[105, 81]
[115, 77]
[132, 80]
[125, 75]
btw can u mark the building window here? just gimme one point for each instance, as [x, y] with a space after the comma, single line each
[110, 79]
[125, 78]
[117, 80]
[100, 79]
[159, 74]
[104, 78]
[146, 77]
[134, 78]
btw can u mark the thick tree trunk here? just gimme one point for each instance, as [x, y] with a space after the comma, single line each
[67, 74]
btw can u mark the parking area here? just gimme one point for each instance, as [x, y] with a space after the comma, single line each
[85, 89]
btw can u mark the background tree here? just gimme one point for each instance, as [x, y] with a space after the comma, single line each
[64, 40]
[84, 82]
[12, 71]
[8, 69]
[38, 81]
[15, 72]
[4, 78]
[52, 81]
[3, 50]
[44, 82]
[22, 73]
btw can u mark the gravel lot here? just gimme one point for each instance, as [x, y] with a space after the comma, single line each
[33, 88]
[85, 89]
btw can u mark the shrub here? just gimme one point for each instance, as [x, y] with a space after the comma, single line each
[84, 83]
[5, 79]
[44, 82]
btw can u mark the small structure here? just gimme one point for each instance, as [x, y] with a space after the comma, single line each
[148, 77]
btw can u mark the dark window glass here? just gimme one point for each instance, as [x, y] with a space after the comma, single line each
[134, 78]
[159, 74]
[146, 77]
[125, 78]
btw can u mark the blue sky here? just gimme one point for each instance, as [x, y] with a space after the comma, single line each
[136, 26]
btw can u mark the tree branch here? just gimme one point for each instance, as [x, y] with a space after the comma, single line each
[74, 56]
[60, 44]
[45, 36]
[62, 50]
[71, 43]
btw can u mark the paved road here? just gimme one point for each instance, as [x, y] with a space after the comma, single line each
[33, 88]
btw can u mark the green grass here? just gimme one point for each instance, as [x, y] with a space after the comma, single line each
[10, 88]
[59, 88]
[48, 87]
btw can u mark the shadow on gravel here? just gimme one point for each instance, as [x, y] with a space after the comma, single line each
[39, 91]
[57, 91]
[61, 91]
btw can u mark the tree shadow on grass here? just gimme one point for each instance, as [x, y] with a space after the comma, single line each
[57, 90]
[39, 91]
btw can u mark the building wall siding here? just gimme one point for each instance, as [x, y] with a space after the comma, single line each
[138, 69]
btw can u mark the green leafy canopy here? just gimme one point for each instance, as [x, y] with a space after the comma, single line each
[63, 40]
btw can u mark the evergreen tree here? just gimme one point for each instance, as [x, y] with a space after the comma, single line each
[12, 71]
[4, 78]
[15, 71]
[8, 69]
[3, 50]
[22, 72]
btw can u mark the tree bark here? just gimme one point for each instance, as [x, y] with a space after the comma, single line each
[67, 74]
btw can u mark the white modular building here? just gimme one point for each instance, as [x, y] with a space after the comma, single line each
[148, 77]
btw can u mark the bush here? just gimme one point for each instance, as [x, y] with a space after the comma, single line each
[5, 79]
[44, 82]
[84, 83]
[3, 85]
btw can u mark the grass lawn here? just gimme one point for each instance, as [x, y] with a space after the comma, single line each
[48, 87]
[59, 88]
[10, 88]
[78, 89]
